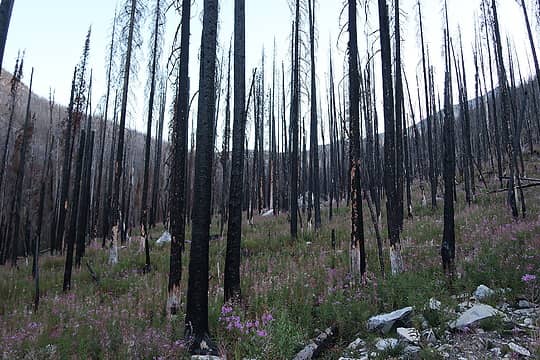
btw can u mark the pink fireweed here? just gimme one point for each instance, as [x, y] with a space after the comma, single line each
[528, 278]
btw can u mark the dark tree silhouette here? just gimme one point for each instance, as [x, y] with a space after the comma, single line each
[179, 144]
[358, 254]
[234, 225]
[197, 294]
[6, 9]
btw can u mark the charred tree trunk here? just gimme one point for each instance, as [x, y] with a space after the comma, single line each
[179, 150]
[119, 162]
[506, 113]
[314, 143]
[6, 8]
[389, 142]
[294, 126]
[357, 248]
[448, 243]
[146, 176]
[73, 217]
[15, 209]
[197, 294]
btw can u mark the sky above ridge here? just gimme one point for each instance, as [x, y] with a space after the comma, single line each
[52, 34]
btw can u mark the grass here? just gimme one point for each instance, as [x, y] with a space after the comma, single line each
[303, 284]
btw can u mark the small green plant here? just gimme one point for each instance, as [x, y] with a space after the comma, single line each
[392, 352]
[494, 323]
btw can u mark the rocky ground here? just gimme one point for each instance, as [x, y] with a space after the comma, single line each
[475, 330]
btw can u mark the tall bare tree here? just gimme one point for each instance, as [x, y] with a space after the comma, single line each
[197, 294]
[179, 144]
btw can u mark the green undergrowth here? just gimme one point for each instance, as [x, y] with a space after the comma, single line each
[303, 284]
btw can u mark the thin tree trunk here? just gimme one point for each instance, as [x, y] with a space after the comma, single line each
[179, 151]
[197, 294]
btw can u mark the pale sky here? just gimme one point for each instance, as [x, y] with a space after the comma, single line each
[52, 33]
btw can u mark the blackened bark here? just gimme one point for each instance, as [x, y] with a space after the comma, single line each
[197, 294]
[389, 141]
[6, 9]
[429, 120]
[448, 243]
[119, 162]
[15, 217]
[157, 162]
[73, 217]
[234, 225]
[398, 119]
[179, 144]
[66, 170]
[146, 176]
[358, 254]
[294, 126]
[506, 113]
[314, 143]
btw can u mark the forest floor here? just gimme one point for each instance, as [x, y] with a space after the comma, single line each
[291, 290]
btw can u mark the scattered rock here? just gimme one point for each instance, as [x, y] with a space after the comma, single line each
[524, 304]
[317, 345]
[476, 313]
[205, 357]
[482, 292]
[356, 344]
[434, 304]
[519, 349]
[268, 213]
[165, 238]
[429, 337]
[496, 351]
[386, 344]
[409, 334]
[385, 322]
[411, 350]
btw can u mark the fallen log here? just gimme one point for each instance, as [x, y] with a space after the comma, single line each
[318, 345]
[517, 187]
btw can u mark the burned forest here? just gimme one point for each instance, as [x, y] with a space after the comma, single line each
[288, 179]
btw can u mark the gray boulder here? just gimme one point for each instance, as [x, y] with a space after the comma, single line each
[473, 315]
[385, 322]
[482, 292]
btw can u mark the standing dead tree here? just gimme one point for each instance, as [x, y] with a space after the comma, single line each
[179, 150]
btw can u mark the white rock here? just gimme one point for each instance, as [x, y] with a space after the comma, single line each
[496, 351]
[358, 343]
[385, 322]
[384, 344]
[205, 357]
[165, 238]
[476, 313]
[411, 349]
[409, 334]
[429, 336]
[524, 304]
[482, 292]
[434, 304]
[268, 213]
[519, 349]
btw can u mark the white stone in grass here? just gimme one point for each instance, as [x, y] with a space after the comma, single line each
[519, 349]
[473, 315]
[482, 292]
[356, 344]
[386, 344]
[385, 322]
[434, 304]
[409, 334]
[165, 238]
